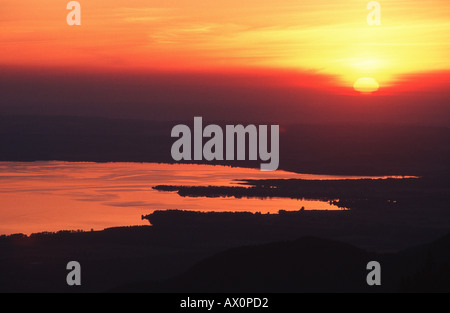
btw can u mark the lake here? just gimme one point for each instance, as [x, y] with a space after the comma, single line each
[54, 195]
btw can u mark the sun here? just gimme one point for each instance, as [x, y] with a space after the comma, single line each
[366, 85]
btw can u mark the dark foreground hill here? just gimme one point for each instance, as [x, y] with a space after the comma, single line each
[309, 265]
[235, 254]
[305, 265]
[433, 267]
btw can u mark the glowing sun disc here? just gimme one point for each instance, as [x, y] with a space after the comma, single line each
[366, 85]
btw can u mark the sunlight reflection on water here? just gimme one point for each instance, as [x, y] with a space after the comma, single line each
[51, 196]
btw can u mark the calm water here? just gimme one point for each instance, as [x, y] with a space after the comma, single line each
[52, 196]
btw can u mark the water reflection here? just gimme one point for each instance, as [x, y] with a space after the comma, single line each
[51, 196]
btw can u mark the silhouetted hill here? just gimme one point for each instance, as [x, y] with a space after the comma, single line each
[359, 149]
[308, 264]
[193, 259]
[305, 265]
[432, 262]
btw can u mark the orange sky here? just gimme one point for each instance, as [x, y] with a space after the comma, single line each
[328, 37]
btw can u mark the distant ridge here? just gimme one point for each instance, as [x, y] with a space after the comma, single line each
[309, 265]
